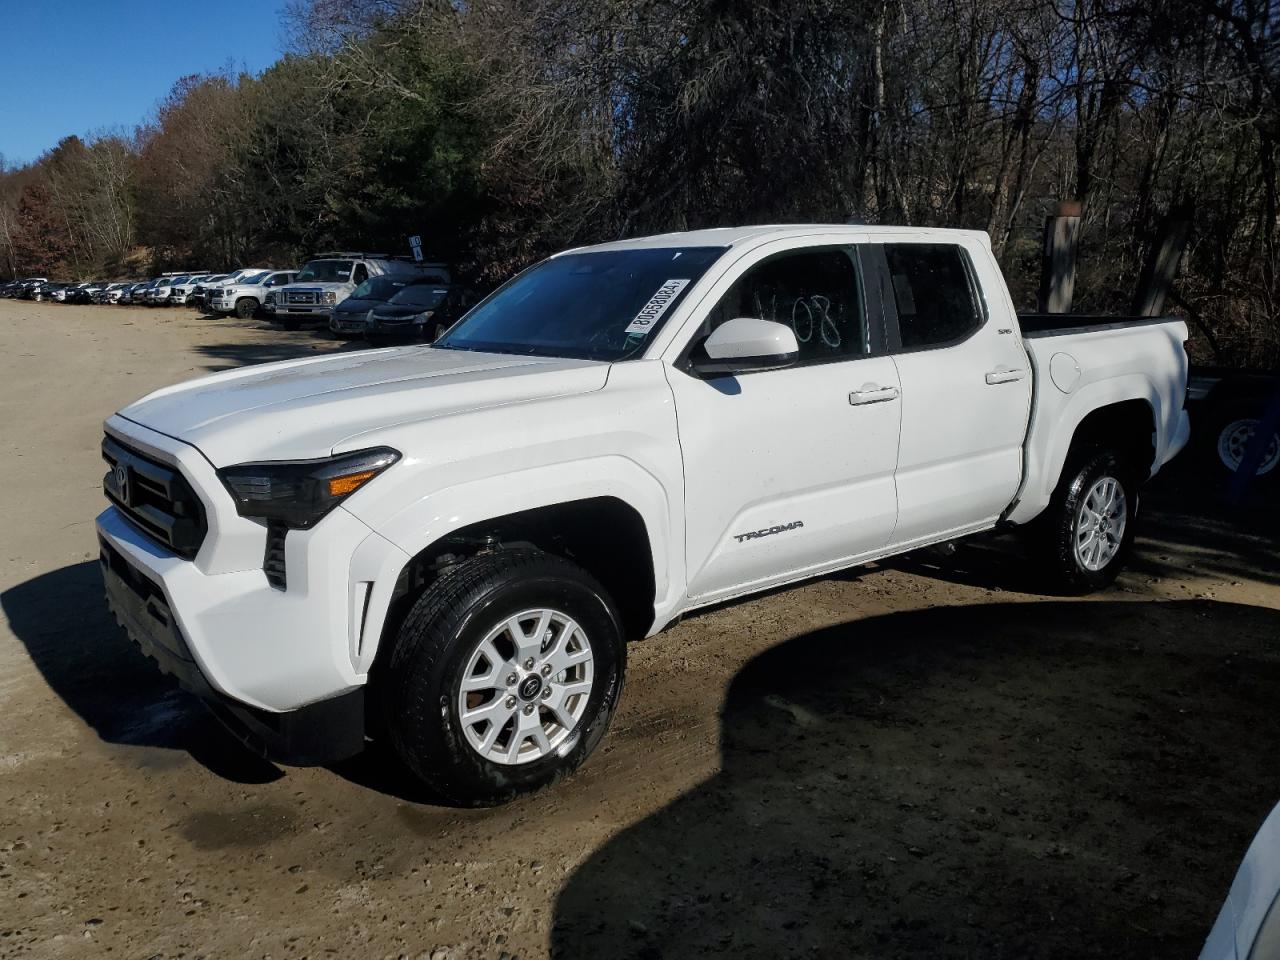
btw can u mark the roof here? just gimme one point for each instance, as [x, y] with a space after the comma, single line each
[753, 235]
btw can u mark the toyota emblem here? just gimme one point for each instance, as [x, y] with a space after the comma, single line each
[122, 481]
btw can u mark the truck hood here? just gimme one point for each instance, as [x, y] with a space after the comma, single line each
[302, 409]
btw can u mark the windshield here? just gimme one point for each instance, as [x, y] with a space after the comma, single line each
[420, 295]
[378, 288]
[254, 278]
[176, 280]
[325, 271]
[594, 306]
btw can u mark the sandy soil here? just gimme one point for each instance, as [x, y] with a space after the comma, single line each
[928, 759]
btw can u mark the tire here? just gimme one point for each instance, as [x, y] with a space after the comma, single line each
[1056, 532]
[1231, 426]
[246, 307]
[439, 646]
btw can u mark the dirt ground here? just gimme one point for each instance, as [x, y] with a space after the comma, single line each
[926, 759]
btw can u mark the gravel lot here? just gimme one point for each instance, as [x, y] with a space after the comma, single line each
[927, 759]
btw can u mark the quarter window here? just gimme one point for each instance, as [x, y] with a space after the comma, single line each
[933, 292]
[815, 292]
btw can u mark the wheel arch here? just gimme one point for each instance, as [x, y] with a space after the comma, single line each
[607, 514]
[1127, 413]
[604, 535]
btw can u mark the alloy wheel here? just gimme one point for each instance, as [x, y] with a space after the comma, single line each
[1100, 524]
[526, 687]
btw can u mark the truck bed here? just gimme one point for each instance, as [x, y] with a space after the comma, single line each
[1083, 363]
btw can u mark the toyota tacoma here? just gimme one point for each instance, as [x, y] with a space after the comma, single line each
[446, 547]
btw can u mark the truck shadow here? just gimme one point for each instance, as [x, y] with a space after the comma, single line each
[1187, 526]
[86, 659]
[1007, 780]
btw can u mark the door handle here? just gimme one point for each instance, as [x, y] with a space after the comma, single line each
[872, 393]
[1005, 375]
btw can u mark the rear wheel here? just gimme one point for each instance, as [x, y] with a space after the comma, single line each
[1086, 533]
[503, 677]
[1232, 430]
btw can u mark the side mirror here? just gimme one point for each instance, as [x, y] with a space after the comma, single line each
[747, 344]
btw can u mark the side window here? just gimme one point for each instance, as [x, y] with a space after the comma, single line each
[360, 274]
[934, 293]
[816, 292]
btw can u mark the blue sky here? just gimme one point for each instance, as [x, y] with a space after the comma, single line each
[75, 66]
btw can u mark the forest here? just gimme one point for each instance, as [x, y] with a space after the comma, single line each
[503, 130]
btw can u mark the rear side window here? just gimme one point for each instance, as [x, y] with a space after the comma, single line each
[934, 293]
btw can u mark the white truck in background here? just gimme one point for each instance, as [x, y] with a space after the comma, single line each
[246, 295]
[450, 545]
[328, 279]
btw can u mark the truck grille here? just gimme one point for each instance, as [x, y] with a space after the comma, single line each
[155, 497]
[305, 298]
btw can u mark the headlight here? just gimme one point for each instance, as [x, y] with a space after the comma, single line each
[330, 297]
[424, 316]
[298, 493]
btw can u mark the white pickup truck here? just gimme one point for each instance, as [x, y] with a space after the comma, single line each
[448, 546]
[328, 279]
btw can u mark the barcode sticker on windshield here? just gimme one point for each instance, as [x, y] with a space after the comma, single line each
[652, 311]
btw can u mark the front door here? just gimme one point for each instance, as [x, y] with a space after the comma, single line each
[790, 471]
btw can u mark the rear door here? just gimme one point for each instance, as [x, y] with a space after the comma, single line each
[966, 387]
[789, 471]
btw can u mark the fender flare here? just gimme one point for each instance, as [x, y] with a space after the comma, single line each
[434, 516]
[1044, 465]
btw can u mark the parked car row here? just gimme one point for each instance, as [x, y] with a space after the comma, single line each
[374, 296]
[168, 289]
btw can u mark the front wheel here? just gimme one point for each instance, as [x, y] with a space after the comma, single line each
[504, 676]
[246, 307]
[1086, 533]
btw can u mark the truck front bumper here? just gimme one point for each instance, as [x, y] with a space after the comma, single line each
[322, 732]
[274, 658]
[294, 311]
